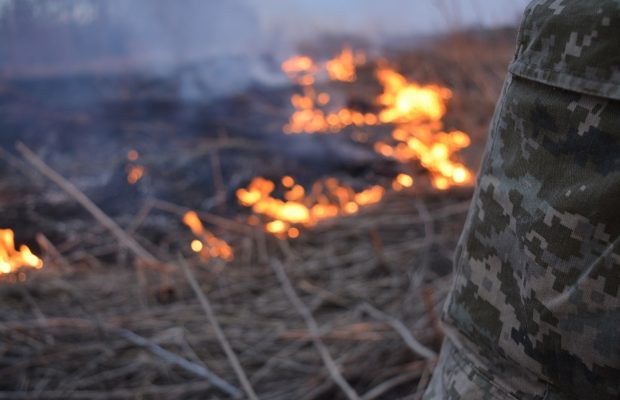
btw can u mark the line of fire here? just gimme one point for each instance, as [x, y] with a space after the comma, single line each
[412, 111]
[274, 224]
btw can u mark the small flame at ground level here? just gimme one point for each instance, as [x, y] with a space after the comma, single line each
[308, 117]
[405, 101]
[402, 181]
[342, 67]
[434, 149]
[135, 172]
[12, 259]
[206, 244]
[327, 199]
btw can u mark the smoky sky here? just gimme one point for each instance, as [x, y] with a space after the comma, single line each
[67, 36]
[377, 18]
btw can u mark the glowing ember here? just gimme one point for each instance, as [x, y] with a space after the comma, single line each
[327, 199]
[134, 171]
[133, 155]
[298, 65]
[11, 259]
[207, 244]
[402, 181]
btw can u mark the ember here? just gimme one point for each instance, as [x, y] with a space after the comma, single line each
[207, 244]
[402, 181]
[134, 171]
[342, 67]
[12, 259]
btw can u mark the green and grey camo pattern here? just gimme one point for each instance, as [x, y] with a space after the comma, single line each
[534, 312]
[571, 44]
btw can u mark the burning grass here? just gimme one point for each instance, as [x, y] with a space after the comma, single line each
[309, 281]
[11, 258]
[394, 258]
[414, 111]
[327, 199]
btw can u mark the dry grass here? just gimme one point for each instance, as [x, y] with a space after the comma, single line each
[360, 311]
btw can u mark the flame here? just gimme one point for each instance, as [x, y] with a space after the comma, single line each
[308, 116]
[434, 149]
[134, 173]
[327, 199]
[414, 110]
[12, 259]
[206, 244]
[342, 67]
[417, 112]
[402, 181]
[405, 101]
[298, 65]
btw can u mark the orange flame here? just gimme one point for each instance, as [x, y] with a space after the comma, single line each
[402, 181]
[327, 199]
[415, 111]
[207, 244]
[405, 101]
[11, 259]
[308, 117]
[434, 149]
[134, 173]
[298, 64]
[342, 67]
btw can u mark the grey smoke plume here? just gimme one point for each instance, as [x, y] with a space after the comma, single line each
[225, 44]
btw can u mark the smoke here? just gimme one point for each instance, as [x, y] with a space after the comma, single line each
[213, 47]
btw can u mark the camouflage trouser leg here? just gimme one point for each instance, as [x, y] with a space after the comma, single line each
[534, 311]
[456, 377]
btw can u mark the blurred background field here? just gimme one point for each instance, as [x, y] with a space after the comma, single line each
[297, 171]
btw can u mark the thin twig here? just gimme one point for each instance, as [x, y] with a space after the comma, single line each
[222, 222]
[389, 385]
[150, 391]
[219, 333]
[88, 204]
[133, 338]
[313, 328]
[429, 302]
[20, 165]
[429, 231]
[415, 346]
[181, 362]
[428, 370]
[47, 246]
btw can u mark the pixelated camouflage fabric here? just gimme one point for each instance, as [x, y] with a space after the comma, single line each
[534, 312]
[572, 44]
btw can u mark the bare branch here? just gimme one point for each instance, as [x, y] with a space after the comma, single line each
[219, 333]
[415, 346]
[313, 328]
